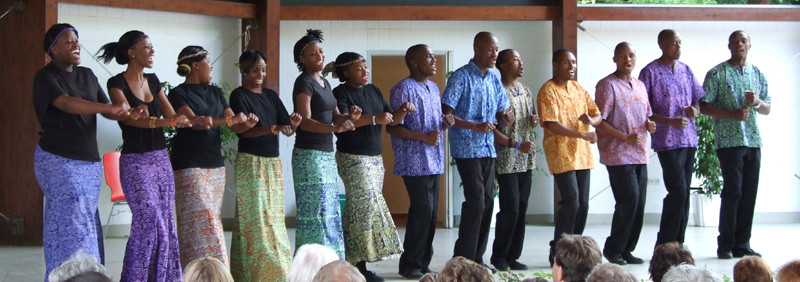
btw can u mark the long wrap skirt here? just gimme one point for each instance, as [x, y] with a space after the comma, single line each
[316, 190]
[198, 203]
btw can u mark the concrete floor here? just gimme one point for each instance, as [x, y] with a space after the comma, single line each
[20, 264]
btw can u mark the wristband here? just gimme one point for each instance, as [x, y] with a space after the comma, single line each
[274, 129]
[229, 120]
[152, 122]
[172, 122]
[373, 120]
[518, 144]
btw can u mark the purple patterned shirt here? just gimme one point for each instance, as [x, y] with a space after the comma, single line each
[669, 91]
[624, 106]
[414, 157]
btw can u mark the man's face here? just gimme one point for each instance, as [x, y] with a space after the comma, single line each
[565, 66]
[739, 44]
[671, 47]
[486, 53]
[625, 58]
[512, 66]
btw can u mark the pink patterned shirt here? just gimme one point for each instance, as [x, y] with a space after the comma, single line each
[624, 105]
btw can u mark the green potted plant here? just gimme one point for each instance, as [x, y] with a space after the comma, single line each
[706, 169]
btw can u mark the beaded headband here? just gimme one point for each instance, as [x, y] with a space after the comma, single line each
[331, 67]
[204, 52]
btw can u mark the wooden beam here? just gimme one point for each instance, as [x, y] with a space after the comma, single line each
[565, 27]
[688, 13]
[473, 13]
[201, 7]
[265, 36]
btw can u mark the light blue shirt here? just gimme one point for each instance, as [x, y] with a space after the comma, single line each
[476, 98]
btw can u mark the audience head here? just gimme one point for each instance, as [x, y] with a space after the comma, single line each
[194, 61]
[89, 276]
[130, 44]
[460, 269]
[789, 272]
[307, 261]
[308, 51]
[339, 271]
[666, 256]
[564, 65]
[61, 44]
[610, 272]
[486, 48]
[690, 273]
[207, 269]
[752, 269]
[420, 60]
[509, 63]
[78, 263]
[670, 43]
[349, 67]
[429, 277]
[535, 279]
[575, 257]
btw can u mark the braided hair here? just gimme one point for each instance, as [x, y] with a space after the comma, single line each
[312, 35]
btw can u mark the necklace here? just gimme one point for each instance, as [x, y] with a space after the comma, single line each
[141, 80]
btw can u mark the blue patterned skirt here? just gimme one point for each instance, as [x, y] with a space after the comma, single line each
[316, 190]
[71, 222]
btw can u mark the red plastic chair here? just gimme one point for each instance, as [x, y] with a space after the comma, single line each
[111, 169]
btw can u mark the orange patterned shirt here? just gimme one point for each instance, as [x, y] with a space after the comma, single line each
[564, 105]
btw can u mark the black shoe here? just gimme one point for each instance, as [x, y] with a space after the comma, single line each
[724, 254]
[412, 274]
[489, 267]
[630, 259]
[515, 265]
[501, 265]
[615, 259]
[372, 277]
[737, 253]
[426, 270]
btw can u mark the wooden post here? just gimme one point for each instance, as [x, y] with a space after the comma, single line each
[20, 195]
[565, 26]
[265, 37]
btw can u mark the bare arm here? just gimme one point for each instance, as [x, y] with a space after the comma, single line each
[431, 138]
[560, 129]
[78, 106]
[304, 110]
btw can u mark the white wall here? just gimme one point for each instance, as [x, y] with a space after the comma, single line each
[169, 33]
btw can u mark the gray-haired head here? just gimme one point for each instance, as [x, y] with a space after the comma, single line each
[78, 263]
[690, 273]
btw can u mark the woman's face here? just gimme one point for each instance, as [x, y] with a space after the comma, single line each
[254, 78]
[142, 52]
[67, 50]
[203, 69]
[313, 58]
[357, 74]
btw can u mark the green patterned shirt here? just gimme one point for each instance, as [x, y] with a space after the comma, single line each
[725, 85]
[510, 160]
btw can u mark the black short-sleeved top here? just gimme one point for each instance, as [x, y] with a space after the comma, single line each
[68, 135]
[365, 140]
[270, 111]
[136, 139]
[197, 148]
[322, 105]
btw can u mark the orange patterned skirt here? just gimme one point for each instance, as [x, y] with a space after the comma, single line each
[198, 205]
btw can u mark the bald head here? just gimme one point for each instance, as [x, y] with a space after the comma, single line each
[486, 47]
[665, 35]
[622, 46]
[738, 32]
[483, 37]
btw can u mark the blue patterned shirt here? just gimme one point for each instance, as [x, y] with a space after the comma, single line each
[725, 85]
[414, 157]
[474, 98]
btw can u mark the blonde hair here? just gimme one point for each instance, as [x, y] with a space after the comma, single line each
[789, 272]
[752, 269]
[460, 269]
[207, 269]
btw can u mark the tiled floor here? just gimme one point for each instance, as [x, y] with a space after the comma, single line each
[774, 241]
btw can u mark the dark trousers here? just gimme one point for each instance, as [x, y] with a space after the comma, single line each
[677, 166]
[509, 233]
[574, 205]
[740, 170]
[423, 192]
[629, 185]
[476, 211]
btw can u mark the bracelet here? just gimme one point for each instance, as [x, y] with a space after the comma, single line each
[518, 144]
[172, 122]
[510, 143]
[274, 129]
[229, 120]
[373, 119]
[152, 122]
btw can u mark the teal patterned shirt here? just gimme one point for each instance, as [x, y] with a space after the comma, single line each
[725, 85]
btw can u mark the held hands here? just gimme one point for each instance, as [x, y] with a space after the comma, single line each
[240, 118]
[119, 111]
[651, 126]
[678, 122]
[752, 99]
[590, 120]
[691, 111]
[202, 122]
[432, 138]
[742, 114]
[384, 118]
[346, 125]
[408, 107]
[589, 136]
[285, 129]
[355, 112]
[527, 147]
[485, 127]
[634, 139]
[180, 121]
[139, 112]
[448, 121]
[508, 117]
[252, 120]
[534, 120]
[294, 120]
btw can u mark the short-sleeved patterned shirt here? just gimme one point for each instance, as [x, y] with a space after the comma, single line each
[669, 91]
[414, 157]
[476, 98]
[510, 160]
[725, 85]
[623, 104]
[565, 104]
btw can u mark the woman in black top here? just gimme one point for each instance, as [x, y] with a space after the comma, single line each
[316, 188]
[66, 162]
[260, 250]
[197, 157]
[145, 170]
[358, 156]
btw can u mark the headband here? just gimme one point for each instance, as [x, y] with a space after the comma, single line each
[331, 67]
[203, 52]
[58, 36]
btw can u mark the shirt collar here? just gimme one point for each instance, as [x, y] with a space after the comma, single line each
[474, 69]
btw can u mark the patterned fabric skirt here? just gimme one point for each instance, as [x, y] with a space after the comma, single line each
[152, 251]
[198, 202]
[71, 189]
[316, 190]
[369, 231]
[260, 250]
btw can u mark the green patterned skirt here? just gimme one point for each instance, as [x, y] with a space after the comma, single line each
[260, 249]
[369, 231]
